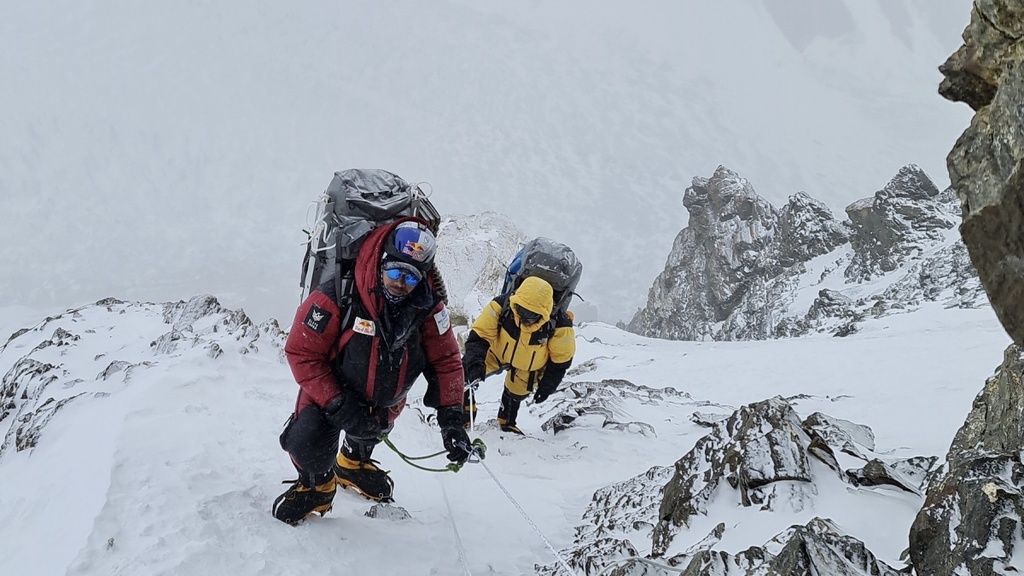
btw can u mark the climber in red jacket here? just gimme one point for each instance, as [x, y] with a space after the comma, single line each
[355, 378]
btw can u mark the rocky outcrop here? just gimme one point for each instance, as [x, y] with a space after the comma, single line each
[819, 547]
[972, 515]
[908, 214]
[758, 452]
[58, 368]
[808, 230]
[723, 267]
[971, 520]
[473, 252]
[986, 165]
[597, 399]
[743, 270]
[762, 458]
[716, 262]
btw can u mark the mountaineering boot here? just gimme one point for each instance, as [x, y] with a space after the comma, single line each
[365, 477]
[507, 426]
[302, 499]
[507, 412]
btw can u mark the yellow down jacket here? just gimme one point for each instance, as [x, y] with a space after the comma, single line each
[536, 355]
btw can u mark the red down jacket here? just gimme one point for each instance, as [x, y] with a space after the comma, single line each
[365, 357]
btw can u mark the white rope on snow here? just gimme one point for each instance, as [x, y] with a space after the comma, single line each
[547, 543]
[455, 529]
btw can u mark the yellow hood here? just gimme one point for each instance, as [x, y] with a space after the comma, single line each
[535, 295]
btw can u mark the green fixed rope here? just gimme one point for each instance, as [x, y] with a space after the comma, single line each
[478, 449]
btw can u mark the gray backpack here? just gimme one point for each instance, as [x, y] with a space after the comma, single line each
[356, 202]
[550, 261]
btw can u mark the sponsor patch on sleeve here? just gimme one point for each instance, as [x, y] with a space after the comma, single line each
[443, 321]
[317, 319]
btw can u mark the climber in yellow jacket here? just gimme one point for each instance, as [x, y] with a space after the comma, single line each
[520, 333]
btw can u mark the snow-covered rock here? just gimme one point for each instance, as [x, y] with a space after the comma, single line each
[762, 459]
[69, 356]
[473, 252]
[971, 518]
[907, 215]
[743, 270]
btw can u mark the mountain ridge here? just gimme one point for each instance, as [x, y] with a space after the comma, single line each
[743, 269]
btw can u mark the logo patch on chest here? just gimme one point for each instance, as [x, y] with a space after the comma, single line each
[364, 326]
[443, 321]
[317, 319]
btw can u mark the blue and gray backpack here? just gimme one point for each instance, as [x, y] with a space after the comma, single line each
[550, 261]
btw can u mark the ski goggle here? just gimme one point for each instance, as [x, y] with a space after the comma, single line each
[408, 278]
[527, 316]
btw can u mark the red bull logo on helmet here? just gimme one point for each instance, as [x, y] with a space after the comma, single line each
[415, 250]
[414, 243]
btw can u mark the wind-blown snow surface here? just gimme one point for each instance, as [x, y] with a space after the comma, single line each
[154, 150]
[170, 467]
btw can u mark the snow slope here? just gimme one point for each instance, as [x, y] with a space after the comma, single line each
[170, 466]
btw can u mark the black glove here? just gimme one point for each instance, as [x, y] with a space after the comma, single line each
[347, 412]
[543, 392]
[456, 442]
[473, 372]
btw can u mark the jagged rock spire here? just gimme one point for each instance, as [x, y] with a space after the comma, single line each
[742, 269]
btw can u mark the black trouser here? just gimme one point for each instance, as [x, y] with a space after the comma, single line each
[312, 442]
[508, 410]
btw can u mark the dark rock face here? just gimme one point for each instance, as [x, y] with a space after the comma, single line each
[742, 270]
[762, 458]
[992, 45]
[973, 510]
[986, 166]
[716, 262]
[808, 230]
[819, 547]
[972, 516]
[971, 520]
[905, 215]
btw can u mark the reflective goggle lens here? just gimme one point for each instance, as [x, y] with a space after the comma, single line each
[409, 279]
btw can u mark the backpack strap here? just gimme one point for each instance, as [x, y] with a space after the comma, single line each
[342, 290]
[345, 287]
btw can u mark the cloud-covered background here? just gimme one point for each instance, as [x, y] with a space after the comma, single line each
[160, 150]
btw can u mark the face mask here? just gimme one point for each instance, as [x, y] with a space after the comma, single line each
[527, 316]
